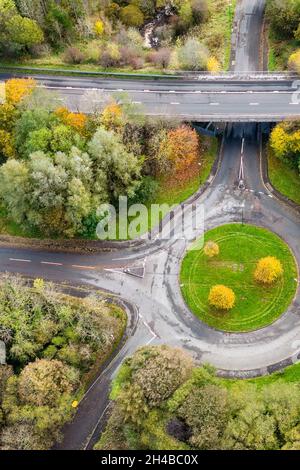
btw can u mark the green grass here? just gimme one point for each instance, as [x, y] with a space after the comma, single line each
[284, 178]
[241, 246]
[289, 375]
[272, 64]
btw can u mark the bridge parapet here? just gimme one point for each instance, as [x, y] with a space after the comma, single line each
[241, 76]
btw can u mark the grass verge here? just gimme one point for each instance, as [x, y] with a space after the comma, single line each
[241, 246]
[284, 178]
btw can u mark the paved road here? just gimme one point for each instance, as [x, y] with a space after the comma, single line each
[156, 298]
[218, 100]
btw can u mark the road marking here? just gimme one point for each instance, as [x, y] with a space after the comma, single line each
[136, 102]
[174, 103]
[172, 91]
[115, 271]
[214, 104]
[76, 266]
[51, 264]
[294, 103]
[150, 341]
[20, 260]
[253, 104]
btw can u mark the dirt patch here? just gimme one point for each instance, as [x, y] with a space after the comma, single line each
[235, 267]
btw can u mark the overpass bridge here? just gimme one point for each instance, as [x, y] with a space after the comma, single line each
[226, 97]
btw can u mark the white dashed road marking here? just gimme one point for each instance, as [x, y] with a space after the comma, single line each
[20, 260]
[51, 264]
[83, 267]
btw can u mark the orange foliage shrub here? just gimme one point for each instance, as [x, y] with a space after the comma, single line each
[76, 120]
[221, 297]
[17, 88]
[268, 270]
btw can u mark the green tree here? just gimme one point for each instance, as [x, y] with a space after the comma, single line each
[131, 15]
[284, 17]
[205, 411]
[110, 158]
[24, 32]
[15, 30]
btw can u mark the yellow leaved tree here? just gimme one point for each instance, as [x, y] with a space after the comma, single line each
[211, 249]
[221, 297]
[18, 88]
[268, 270]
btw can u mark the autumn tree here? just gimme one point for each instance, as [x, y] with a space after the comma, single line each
[285, 142]
[99, 28]
[16, 89]
[213, 65]
[268, 270]
[43, 382]
[211, 249]
[294, 62]
[7, 148]
[221, 297]
[181, 149]
[112, 117]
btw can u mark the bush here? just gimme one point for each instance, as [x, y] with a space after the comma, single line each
[193, 55]
[147, 190]
[50, 352]
[99, 28]
[211, 249]
[163, 371]
[213, 65]
[221, 297]
[73, 55]
[161, 58]
[133, 404]
[111, 57]
[205, 412]
[268, 270]
[294, 62]
[41, 383]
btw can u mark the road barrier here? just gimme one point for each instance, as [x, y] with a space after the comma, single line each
[179, 74]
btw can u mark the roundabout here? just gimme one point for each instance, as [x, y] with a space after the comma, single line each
[240, 248]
